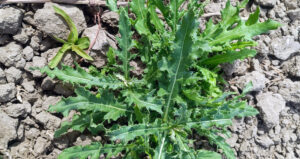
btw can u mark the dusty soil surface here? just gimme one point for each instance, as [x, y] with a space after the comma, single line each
[27, 128]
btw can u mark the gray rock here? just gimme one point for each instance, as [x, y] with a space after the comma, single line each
[37, 61]
[28, 18]
[29, 86]
[35, 42]
[2, 77]
[46, 44]
[292, 66]
[237, 67]
[27, 53]
[64, 89]
[270, 105]
[266, 3]
[289, 90]
[11, 55]
[284, 47]
[138, 67]
[244, 146]
[86, 140]
[41, 145]
[61, 143]
[18, 110]
[213, 7]
[21, 149]
[48, 84]
[110, 18]
[49, 121]
[290, 4]
[52, 24]
[102, 42]
[32, 133]
[232, 140]
[258, 80]
[13, 75]
[264, 141]
[7, 92]
[24, 35]
[294, 14]
[4, 39]
[10, 20]
[51, 100]
[99, 59]
[20, 131]
[8, 131]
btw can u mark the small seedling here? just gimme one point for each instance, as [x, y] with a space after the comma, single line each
[73, 42]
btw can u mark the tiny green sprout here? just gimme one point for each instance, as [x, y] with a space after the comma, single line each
[73, 42]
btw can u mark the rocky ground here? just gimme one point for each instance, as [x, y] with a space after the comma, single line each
[27, 128]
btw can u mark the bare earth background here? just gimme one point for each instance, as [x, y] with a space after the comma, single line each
[26, 128]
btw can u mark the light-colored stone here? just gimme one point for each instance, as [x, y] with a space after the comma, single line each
[294, 14]
[10, 20]
[29, 86]
[258, 80]
[13, 75]
[284, 47]
[270, 105]
[24, 35]
[7, 92]
[27, 53]
[49, 121]
[11, 55]
[289, 90]
[18, 110]
[53, 24]
[264, 141]
[38, 62]
[51, 100]
[2, 77]
[41, 145]
[110, 18]
[8, 131]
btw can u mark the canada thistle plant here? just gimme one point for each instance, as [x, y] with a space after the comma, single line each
[179, 94]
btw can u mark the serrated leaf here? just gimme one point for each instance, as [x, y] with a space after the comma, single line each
[87, 101]
[220, 142]
[111, 57]
[148, 102]
[59, 55]
[253, 18]
[81, 152]
[80, 76]
[127, 133]
[229, 56]
[92, 151]
[160, 152]
[139, 9]
[208, 155]
[177, 65]
[243, 31]
[73, 36]
[125, 41]
[112, 4]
